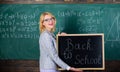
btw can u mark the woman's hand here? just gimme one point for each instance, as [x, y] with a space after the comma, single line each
[76, 69]
[63, 33]
[58, 33]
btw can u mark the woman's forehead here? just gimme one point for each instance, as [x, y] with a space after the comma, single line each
[47, 16]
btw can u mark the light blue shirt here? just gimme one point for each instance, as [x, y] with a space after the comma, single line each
[48, 53]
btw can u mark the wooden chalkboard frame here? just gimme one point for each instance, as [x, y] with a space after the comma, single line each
[103, 57]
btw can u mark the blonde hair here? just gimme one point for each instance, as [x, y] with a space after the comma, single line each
[41, 26]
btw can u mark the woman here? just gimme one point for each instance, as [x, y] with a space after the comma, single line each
[48, 53]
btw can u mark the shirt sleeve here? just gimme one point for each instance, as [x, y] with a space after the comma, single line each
[52, 52]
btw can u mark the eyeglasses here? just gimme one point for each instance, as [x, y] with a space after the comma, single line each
[49, 19]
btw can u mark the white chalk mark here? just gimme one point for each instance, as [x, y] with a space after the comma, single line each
[115, 25]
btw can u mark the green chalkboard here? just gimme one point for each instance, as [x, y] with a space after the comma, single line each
[19, 26]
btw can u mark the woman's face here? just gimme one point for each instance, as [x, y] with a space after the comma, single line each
[49, 22]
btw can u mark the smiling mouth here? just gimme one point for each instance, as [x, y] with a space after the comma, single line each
[50, 24]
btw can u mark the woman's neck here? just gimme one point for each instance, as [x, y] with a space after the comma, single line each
[48, 29]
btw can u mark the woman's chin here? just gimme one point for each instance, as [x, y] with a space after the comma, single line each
[51, 27]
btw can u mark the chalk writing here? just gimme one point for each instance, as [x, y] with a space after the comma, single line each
[92, 12]
[17, 24]
[19, 35]
[87, 60]
[114, 36]
[78, 46]
[81, 50]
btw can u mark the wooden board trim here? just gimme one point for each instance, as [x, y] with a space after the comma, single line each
[103, 54]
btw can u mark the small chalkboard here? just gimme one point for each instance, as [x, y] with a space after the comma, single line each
[84, 51]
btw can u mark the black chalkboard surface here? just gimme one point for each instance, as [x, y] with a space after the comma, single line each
[84, 51]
